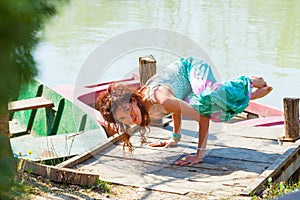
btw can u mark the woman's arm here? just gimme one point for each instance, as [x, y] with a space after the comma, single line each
[176, 117]
[202, 140]
[177, 106]
[203, 136]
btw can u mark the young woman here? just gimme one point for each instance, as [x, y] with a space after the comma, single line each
[186, 87]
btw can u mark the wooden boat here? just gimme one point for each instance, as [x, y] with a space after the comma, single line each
[238, 160]
[45, 125]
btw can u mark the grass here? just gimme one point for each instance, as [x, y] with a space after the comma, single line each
[28, 185]
[37, 185]
[274, 189]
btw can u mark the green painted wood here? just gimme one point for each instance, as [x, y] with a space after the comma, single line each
[57, 117]
[70, 117]
[83, 122]
[50, 116]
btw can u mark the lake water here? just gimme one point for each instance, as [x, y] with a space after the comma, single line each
[245, 37]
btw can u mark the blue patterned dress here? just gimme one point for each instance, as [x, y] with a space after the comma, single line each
[193, 81]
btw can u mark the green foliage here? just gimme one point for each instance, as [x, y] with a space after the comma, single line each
[7, 169]
[104, 185]
[280, 189]
[20, 24]
[274, 189]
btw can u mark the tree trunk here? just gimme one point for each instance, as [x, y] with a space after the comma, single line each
[4, 123]
[4, 132]
[7, 160]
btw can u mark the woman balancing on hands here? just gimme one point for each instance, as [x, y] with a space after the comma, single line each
[186, 87]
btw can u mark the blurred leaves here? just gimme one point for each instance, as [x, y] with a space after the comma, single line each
[21, 21]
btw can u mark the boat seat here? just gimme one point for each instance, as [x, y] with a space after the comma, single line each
[27, 104]
[30, 104]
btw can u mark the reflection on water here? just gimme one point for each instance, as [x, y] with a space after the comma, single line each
[241, 37]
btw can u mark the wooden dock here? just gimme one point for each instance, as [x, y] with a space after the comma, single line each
[238, 162]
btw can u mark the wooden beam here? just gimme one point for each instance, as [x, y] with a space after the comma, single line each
[147, 68]
[58, 174]
[87, 155]
[29, 104]
[284, 166]
[291, 118]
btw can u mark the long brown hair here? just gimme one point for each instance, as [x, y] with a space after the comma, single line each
[116, 95]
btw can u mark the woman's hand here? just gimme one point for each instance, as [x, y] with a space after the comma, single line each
[189, 159]
[165, 144]
[158, 144]
[171, 143]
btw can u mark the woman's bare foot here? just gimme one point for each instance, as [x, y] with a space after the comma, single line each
[261, 92]
[258, 82]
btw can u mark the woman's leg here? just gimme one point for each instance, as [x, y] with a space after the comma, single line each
[261, 92]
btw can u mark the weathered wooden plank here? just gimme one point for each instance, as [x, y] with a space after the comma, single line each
[290, 168]
[168, 178]
[90, 153]
[234, 153]
[169, 156]
[234, 159]
[27, 104]
[265, 146]
[244, 155]
[62, 175]
[57, 146]
[275, 169]
[236, 178]
[291, 116]
[265, 133]
[147, 68]
[190, 140]
[190, 127]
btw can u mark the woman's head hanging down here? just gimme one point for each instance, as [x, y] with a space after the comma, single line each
[122, 106]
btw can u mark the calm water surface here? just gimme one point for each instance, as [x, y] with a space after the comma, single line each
[245, 37]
